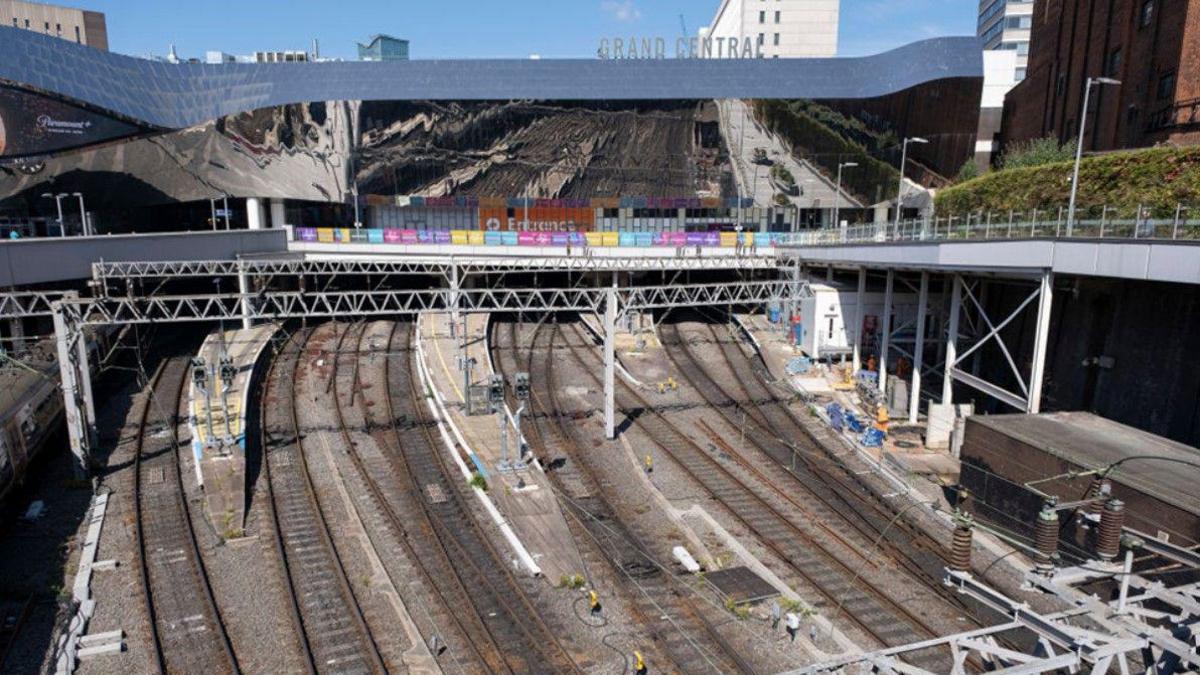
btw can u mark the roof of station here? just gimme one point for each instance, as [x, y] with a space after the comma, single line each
[176, 96]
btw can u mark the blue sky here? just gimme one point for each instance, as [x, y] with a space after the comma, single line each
[477, 28]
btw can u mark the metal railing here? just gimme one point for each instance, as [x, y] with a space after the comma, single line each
[1183, 225]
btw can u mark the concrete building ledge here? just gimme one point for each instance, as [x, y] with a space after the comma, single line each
[1150, 260]
[58, 259]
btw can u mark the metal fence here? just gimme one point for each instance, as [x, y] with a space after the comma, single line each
[1097, 223]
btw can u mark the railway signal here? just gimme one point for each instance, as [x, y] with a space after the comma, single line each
[521, 390]
[496, 400]
[200, 382]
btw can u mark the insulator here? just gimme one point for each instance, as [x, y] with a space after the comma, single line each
[1096, 494]
[1045, 538]
[960, 545]
[1112, 519]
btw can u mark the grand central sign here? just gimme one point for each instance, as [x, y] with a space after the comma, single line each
[685, 48]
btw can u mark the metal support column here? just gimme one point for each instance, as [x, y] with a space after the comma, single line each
[859, 299]
[244, 291]
[885, 330]
[914, 395]
[1041, 335]
[16, 331]
[952, 339]
[77, 389]
[610, 328]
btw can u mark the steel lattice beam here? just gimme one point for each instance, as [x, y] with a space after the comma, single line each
[23, 304]
[295, 304]
[399, 265]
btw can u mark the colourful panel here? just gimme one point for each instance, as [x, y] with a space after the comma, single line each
[475, 237]
[306, 233]
[627, 239]
[458, 237]
[594, 238]
[391, 235]
[325, 235]
[510, 238]
[645, 239]
[375, 236]
[747, 239]
[425, 237]
[441, 237]
[493, 239]
[358, 235]
[559, 239]
[409, 237]
[611, 239]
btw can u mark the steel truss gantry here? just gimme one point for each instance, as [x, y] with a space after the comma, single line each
[72, 314]
[29, 304]
[105, 272]
[1091, 637]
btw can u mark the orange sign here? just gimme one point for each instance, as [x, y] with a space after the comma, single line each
[537, 219]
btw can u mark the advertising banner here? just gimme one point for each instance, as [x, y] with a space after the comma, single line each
[31, 124]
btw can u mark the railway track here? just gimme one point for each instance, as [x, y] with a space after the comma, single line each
[186, 626]
[838, 491]
[398, 505]
[689, 639]
[878, 616]
[329, 621]
[512, 626]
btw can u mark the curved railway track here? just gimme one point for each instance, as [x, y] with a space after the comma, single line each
[497, 600]
[399, 505]
[837, 491]
[687, 637]
[327, 616]
[878, 615]
[186, 626]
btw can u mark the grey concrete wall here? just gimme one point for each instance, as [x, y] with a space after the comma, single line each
[56, 259]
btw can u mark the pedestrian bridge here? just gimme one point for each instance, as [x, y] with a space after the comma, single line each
[1150, 251]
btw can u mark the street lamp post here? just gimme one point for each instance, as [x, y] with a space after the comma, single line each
[83, 219]
[1087, 90]
[903, 163]
[62, 225]
[837, 192]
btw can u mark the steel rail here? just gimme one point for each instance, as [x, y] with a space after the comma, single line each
[448, 583]
[601, 519]
[456, 529]
[882, 619]
[304, 540]
[194, 638]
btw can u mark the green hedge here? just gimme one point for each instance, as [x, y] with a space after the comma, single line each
[1156, 178]
[870, 181]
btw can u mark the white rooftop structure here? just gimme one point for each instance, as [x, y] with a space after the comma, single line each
[779, 28]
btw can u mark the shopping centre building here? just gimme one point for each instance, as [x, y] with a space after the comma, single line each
[632, 144]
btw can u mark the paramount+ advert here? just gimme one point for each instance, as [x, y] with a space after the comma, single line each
[33, 125]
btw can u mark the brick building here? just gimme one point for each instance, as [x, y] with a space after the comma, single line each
[1151, 46]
